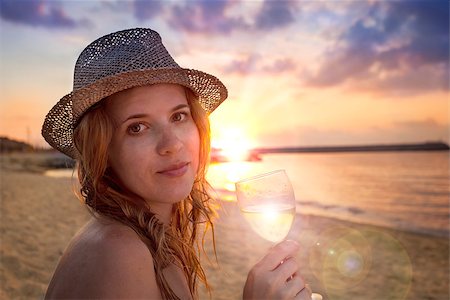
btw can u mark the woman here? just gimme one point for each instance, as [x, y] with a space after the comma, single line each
[137, 125]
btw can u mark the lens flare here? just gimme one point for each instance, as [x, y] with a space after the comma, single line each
[350, 263]
[361, 264]
[341, 258]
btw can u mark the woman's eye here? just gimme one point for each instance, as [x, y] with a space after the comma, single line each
[179, 116]
[136, 128]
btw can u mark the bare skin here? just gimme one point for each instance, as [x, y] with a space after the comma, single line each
[154, 135]
[155, 152]
[107, 260]
[277, 276]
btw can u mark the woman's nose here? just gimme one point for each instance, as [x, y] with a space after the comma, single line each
[169, 142]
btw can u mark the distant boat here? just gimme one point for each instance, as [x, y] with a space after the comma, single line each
[220, 155]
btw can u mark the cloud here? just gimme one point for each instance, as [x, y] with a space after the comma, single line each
[211, 16]
[280, 66]
[276, 14]
[37, 13]
[423, 78]
[147, 9]
[204, 17]
[254, 64]
[243, 66]
[395, 39]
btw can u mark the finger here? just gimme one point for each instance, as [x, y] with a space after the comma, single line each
[308, 287]
[279, 253]
[304, 294]
[286, 269]
[295, 286]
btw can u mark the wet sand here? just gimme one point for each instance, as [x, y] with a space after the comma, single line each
[341, 260]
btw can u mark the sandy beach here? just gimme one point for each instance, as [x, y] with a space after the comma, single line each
[340, 260]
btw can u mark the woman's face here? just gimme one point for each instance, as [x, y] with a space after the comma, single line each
[155, 147]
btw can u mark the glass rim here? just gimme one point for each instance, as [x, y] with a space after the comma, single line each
[259, 176]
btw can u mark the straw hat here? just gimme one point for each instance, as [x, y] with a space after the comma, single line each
[116, 62]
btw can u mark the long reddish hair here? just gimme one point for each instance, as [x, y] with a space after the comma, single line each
[100, 190]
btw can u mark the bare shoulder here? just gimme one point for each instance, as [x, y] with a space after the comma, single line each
[105, 260]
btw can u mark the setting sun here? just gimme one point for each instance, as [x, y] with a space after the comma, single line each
[232, 143]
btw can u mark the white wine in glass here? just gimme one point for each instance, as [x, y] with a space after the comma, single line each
[267, 202]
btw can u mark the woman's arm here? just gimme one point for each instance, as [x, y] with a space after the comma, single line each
[277, 276]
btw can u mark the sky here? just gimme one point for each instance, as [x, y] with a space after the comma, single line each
[299, 73]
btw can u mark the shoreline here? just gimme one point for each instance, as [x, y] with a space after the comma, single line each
[40, 163]
[424, 232]
[228, 196]
[338, 258]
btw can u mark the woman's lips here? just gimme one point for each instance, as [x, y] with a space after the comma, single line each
[175, 170]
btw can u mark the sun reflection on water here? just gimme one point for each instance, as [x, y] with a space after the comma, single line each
[223, 176]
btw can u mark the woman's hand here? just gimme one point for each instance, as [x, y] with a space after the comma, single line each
[277, 276]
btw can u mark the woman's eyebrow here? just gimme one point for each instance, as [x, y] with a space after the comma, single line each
[179, 107]
[138, 116]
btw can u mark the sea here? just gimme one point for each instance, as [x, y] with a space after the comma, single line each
[408, 191]
[401, 190]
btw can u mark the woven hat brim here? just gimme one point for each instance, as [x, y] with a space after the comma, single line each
[60, 122]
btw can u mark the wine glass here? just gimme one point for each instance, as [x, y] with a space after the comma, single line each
[267, 202]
